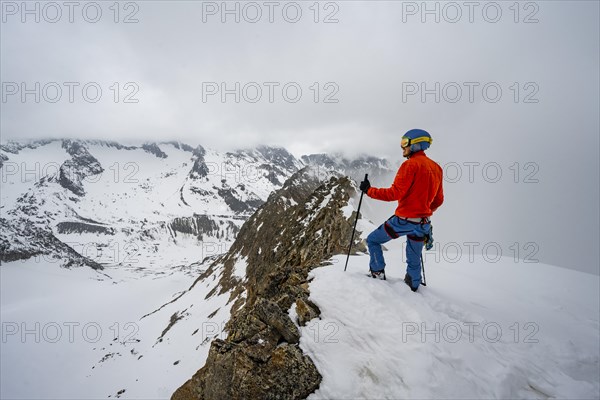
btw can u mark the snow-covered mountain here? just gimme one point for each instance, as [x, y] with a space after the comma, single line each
[354, 168]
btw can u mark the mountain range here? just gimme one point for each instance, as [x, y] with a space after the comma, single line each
[150, 207]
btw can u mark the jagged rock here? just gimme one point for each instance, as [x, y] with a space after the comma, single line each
[23, 240]
[236, 375]
[271, 314]
[111, 144]
[80, 227]
[305, 234]
[277, 156]
[200, 225]
[378, 168]
[306, 311]
[14, 147]
[237, 205]
[245, 327]
[181, 146]
[199, 169]
[297, 229]
[198, 151]
[153, 148]
[261, 346]
[81, 165]
[3, 158]
[187, 147]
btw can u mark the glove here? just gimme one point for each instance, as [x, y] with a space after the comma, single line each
[365, 185]
[429, 240]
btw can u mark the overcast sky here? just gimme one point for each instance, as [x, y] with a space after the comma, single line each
[374, 63]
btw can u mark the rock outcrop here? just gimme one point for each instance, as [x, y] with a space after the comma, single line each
[355, 168]
[153, 148]
[199, 169]
[297, 229]
[81, 165]
[26, 240]
[202, 226]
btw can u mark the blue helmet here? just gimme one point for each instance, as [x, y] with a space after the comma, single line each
[417, 139]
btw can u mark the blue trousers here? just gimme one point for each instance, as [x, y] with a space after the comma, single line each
[392, 229]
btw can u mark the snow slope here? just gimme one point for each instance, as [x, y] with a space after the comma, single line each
[478, 330]
[85, 334]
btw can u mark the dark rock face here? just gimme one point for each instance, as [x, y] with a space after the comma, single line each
[153, 148]
[354, 168]
[110, 143]
[270, 313]
[297, 229]
[187, 147]
[236, 375]
[272, 173]
[279, 160]
[196, 225]
[182, 146]
[81, 165]
[199, 169]
[26, 233]
[200, 225]
[3, 158]
[228, 194]
[322, 160]
[306, 310]
[25, 240]
[80, 227]
[198, 151]
[278, 156]
[15, 147]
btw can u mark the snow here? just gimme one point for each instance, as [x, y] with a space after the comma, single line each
[58, 324]
[478, 330]
[28, 166]
[239, 268]
[348, 209]
[324, 203]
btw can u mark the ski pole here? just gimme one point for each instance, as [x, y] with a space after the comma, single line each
[354, 229]
[424, 283]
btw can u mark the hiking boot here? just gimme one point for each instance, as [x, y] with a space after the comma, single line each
[378, 275]
[408, 281]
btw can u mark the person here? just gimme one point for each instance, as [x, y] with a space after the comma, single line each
[418, 189]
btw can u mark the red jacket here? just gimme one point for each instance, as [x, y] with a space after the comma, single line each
[417, 187]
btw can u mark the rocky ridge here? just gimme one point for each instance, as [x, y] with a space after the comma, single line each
[299, 227]
[81, 165]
